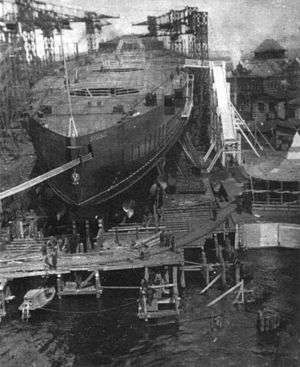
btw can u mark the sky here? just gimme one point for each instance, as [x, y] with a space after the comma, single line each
[233, 24]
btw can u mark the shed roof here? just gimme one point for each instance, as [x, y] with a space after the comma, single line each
[294, 151]
[265, 68]
[269, 45]
[275, 166]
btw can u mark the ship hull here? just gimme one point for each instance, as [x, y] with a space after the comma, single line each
[121, 155]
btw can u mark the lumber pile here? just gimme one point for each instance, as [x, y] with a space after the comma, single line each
[181, 210]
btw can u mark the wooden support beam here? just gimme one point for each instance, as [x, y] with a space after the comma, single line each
[210, 284]
[98, 284]
[88, 236]
[46, 176]
[236, 237]
[240, 297]
[116, 236]
[59, 286]
[205, 266]
[146, 275]
[167, 275]
[120, 287]
[237, 271]
[222, 262]
[175, 288]
[182, 278]
[224, 294]
[85, 282]
[2, 298]
[214, 160]
[210, 149]
[74, 228]
[217, 247]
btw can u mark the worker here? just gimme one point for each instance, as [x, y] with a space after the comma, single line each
[44, 254]
[51, 259]
[60, 244]
[66, 246]
[172, 243]
[80, 247]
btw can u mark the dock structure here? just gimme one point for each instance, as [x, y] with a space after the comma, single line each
[82, 273]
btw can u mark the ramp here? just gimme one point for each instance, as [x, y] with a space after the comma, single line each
[221, 88]
[226, 123]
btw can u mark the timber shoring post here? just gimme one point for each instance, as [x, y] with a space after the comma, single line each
[240, 284]
[74, 228]
[217, 248]
[2, 299]
[236, 237]
[146, 274]
[223, 266]
[116, 236]
[167, 275]
[175, 287]
[237, 271]
[182, 278]
[210, 284]
[59, 285]
[98, 284]
[205, 266]
[88, 236]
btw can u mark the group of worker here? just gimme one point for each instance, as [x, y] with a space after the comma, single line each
[167, 239]
[50, 252]
[152, 295]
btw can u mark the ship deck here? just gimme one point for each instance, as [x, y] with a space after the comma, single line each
[104, 84]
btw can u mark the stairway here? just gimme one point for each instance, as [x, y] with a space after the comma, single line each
[192, 154]
[247, 134]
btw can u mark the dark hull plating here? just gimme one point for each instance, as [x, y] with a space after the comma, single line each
[122, 155]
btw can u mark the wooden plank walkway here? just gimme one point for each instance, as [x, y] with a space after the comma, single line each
[206, 228]
[33, 265]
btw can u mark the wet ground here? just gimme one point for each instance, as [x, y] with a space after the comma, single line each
[84, 332]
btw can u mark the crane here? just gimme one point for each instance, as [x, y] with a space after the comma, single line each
[20, 18]
[176, 23]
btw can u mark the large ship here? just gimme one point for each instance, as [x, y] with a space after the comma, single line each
[119, 111]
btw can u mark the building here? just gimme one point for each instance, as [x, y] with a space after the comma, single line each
[274, 181]
[265, 89]
[269, 49]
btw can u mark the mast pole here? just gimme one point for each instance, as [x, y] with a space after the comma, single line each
[72, 132]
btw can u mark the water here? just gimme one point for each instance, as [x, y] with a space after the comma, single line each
[110, 335]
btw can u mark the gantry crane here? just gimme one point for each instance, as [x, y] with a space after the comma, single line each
[19, 65]
[188, 21]
[20, 18]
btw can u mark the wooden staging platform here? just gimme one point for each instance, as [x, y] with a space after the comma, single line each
[31, 265]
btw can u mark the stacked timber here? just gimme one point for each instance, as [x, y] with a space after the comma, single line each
[182, 210]
[189, 185]
[18, 246]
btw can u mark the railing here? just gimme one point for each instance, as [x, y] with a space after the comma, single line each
[241, 125]
[189, 97]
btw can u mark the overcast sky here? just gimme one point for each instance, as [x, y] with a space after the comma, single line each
[233, 24]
